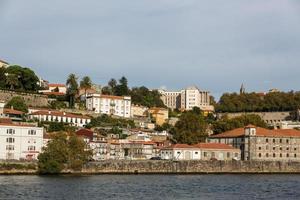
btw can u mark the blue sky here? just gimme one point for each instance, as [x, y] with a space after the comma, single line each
[214, 44]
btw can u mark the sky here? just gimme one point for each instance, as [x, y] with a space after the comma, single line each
[216, 45]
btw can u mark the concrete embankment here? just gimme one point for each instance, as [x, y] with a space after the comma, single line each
[169, 167]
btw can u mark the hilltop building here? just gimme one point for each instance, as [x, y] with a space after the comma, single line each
[263, 144]
[3, 64]
[186, 99]
[110, 105]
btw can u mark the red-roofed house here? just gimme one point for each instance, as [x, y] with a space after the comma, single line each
[58, 116]
[55, 89]
[258, 143]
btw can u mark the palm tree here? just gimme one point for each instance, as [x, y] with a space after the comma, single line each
[85, 83]
[72, 88]
[12, 80]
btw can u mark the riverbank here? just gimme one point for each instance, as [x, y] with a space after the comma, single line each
[165, 167]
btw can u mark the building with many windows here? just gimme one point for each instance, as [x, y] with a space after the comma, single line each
[186, 99]
[20, 142]
[263, 144]
[110, 105]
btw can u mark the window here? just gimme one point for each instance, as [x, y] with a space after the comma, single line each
[274, 148]
[10, 147]
[287, 140]
[205, 154]
[274, 155]
[213, 155]
[280, 155]
[10, 140]
[196, 153]
[259, 148]
[31, 148]
[287, 155]
[280, 140]
[31, 132]
[267, 140]
[287, 148]
[10, 131]
[267, 155]
[280, 148]
[228, 154]
[295, 149]
[274, 140]
[259, 155]
[295, 155]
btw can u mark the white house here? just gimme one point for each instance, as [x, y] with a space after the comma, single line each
[20, 142]
[180, 152]
[55, 88]
[110, 105]
[201, 151]
[58, 116]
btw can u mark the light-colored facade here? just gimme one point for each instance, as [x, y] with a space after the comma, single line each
[186, 99]
[3, 64]
[110, 105]
[20, 142]
[263, 144]
[160, 115]
[55, 88]
[201, 151]
[138, 111]
[57, 116]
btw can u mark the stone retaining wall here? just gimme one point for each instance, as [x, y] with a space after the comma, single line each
[31, 99]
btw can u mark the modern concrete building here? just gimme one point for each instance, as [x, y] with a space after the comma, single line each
[258, 143]
[20, 142]
[110, 105]
[186, 99]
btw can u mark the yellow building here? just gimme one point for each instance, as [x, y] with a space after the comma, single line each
[160, 115]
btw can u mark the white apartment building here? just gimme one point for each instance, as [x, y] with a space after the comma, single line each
[20, 142]
[186, 99]
[110, 105]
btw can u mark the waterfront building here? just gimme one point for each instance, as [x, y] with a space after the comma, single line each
[110, 105]
[187, 98]
[262, 144]
[20, 142]
[201, 151]
[63, 117]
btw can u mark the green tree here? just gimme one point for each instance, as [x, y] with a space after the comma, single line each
[191, 128]
[18, 104]
[12, 81]
[63, 153]
[122, 88]
[79, 154]
[112, 85]
[86, 83]
[54, 156]
[145, 97]
[226, 124]
[72, 89]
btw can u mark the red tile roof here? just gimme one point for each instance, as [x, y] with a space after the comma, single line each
[59, 113]
[180, 146]
[56, 85]
[213, 146]
[259, 132]
[6, 120]
[85, 133]
[12, 111]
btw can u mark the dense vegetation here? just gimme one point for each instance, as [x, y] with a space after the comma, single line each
[63, 153]
[18, 78]
[139, 95]
[253, 102]
[191, 127]
[17, 103]
[105, 120]
[226, 124]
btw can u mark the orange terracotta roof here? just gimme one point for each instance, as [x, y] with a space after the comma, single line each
[259, 132]
[85, 133]
[59, 113]
[12, 111]
[56, 85]
[18, 125]
[213, 146]
[6, 120]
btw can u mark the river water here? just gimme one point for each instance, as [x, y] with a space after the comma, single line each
[151, 187]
